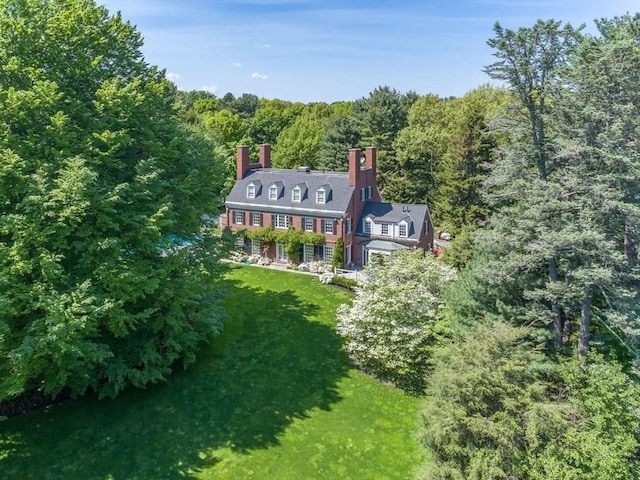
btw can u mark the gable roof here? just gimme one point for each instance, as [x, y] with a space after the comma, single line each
[335, 204]
[413, 214]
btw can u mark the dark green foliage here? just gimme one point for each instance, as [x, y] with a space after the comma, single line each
[344, 282]
[338, 254]
[244, 105]
[96, 173]
[340, 135]
[379, 118]
[460, 203]
[480, 397]
[496, 409]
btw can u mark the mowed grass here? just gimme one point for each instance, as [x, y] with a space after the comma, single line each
[273, 398]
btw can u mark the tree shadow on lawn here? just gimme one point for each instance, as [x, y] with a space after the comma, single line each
[273, 365]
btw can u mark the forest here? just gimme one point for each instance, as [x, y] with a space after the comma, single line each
[527, 359]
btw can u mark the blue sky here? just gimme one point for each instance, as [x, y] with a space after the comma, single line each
[330, 50]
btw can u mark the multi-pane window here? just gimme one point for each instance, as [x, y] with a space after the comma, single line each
[251, 191]
[281, 221]
[321, 196]
[384, 229]
[348, 225]
[256, 247]
[256, 219]
[367, 226]
[347, 255]
[308, 253]
[308, 224]
[328, 253]
[402, 229]
[296, 194]
[238, 217]
[327, 226]
[273, 192]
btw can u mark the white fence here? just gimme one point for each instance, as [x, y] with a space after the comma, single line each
[353, 274]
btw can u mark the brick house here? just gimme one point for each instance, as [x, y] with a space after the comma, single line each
[333, 204]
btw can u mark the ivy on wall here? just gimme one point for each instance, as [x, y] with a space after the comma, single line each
[291, 238]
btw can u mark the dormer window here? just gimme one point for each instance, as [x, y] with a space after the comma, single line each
[296, 194]
[367, 226]
[321, 196]
[402, 229]
[251, 191]
[273, 192]
[384, 229]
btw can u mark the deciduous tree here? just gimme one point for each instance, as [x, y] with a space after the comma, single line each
[98, 176]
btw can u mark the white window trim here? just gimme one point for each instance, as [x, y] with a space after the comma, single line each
[348, 225]
[328, 226]
[406, 230]
[298, 191]
[367, 226]
[256, 219]
[251, 191]
[304, 224]
[238, 214]
[383, 227]
[321, 192]
[273, 192]
[277, 223]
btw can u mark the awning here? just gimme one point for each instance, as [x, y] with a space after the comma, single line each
[383, 246]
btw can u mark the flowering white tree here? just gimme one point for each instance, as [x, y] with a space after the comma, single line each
[389, 329]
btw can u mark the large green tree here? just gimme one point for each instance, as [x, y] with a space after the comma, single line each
[419, 148]
[340, 134]
[380, 116]
[470, 150]
[527, 191]
[97, 180]
[496, 408]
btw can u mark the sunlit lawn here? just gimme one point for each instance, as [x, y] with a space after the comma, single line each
[273, 398]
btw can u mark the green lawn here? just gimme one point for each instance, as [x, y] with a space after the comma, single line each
[273, 398]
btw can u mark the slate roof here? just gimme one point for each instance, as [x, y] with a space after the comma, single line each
[336, 183]
[413, 214]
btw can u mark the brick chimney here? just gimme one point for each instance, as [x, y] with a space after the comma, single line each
[242, 161]
[265, 155]
[354, 166]
[370, 162]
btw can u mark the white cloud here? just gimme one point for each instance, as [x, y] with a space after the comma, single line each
[209, 88]
[172, 76]
[260, 76]
[237, 64]
[264, 45]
